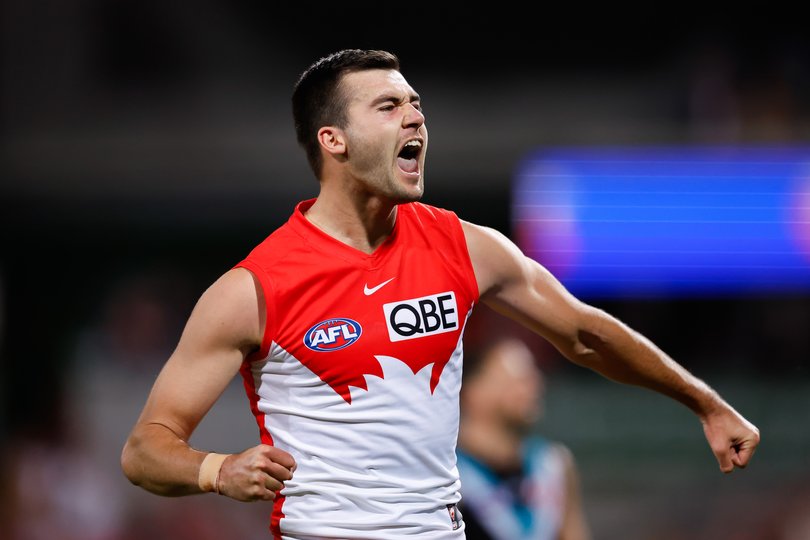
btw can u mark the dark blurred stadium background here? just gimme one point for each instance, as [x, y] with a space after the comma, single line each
[146, 146]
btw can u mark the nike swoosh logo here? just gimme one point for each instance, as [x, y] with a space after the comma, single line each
[369, 292]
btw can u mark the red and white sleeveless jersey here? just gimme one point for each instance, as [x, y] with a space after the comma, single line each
[359, 373]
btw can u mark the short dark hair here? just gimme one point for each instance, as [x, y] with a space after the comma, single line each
[317, 100]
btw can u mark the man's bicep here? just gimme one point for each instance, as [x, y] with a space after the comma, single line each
[222, 329]
[522, 289]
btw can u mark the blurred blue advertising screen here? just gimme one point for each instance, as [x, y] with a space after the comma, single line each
[671, 221]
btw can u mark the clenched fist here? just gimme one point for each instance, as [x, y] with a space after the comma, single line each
[256, 474]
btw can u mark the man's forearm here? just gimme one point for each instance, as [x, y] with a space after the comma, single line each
[618, 352]
[156, 459]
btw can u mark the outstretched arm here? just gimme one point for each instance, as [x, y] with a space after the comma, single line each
[224, 327]
[520, 288]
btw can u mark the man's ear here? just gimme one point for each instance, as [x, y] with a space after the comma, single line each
[332, 140]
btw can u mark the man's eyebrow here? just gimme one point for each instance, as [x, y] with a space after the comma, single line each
[394, 99]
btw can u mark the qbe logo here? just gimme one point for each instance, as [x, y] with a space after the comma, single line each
[421, 317]
[332, 335]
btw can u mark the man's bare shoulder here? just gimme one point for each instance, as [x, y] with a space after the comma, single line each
[495, 258]
[489, 244]
[233, 308]
[235, 287]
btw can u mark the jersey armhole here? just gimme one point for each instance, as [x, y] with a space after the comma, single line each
[461, 239]
[269, 322]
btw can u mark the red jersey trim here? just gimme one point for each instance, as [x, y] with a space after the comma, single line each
[269, 293]
[250, 386]
[461, 239]
[266, 438]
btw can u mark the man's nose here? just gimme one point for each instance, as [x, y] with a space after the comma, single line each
[413, 117]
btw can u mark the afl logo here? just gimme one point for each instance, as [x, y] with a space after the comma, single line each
[332, 335]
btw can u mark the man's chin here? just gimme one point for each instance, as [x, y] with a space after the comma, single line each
[411, 194]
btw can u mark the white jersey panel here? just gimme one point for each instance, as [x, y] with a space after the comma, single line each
[382, 466]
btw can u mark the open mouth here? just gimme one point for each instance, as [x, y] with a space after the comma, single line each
[407, 159]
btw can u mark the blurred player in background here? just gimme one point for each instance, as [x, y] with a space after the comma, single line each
[346, 326]
[515, 484]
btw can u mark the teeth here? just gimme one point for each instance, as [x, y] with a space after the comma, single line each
[414, 143]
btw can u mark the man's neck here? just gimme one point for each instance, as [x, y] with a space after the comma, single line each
[360, 220]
